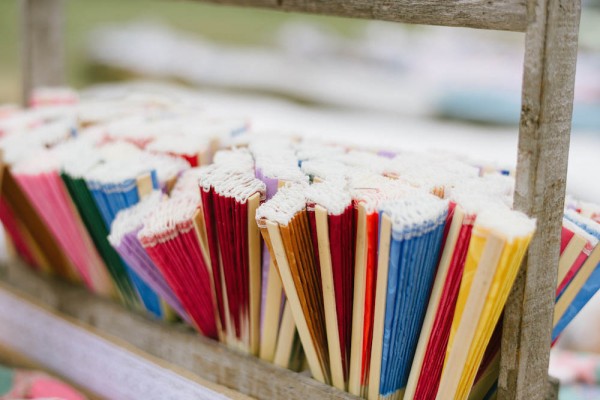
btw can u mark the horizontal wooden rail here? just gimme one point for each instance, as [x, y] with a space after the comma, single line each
[176, 344]
[507, 15]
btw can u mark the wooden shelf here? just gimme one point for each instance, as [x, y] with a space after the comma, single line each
[551, 34]
[176, 344]
[508, 15]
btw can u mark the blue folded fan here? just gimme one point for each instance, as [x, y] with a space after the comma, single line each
[591, 285]
[112, 197]
[417, 234]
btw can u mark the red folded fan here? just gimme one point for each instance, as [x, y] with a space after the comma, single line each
[433, 360]
[171, 242]
[18, 240]
[334, 237]
[230, 197]
[38, 177]
[368, 191]
[576, 246]
[342, 237]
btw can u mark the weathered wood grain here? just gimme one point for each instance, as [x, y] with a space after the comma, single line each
[547, 104]
[176, 344]
[507, 15]
[42, 45]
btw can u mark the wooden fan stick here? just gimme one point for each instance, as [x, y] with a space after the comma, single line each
[434, 301]
[380, 300]
[294, 300]
[329, 302]
[358, 308]
[254, 254]
[200, 228]
[478, 292]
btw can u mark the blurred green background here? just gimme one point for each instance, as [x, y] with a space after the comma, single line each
[224, 24]
[219, 23]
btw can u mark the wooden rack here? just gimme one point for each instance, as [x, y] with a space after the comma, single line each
[177, 345]
[551, 33]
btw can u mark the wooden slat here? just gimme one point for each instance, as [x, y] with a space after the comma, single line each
[112, 369]
[509, 15]
[178, 345]
[42, 45]
[547, 104]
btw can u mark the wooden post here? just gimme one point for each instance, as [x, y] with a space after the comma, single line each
[547, 105]
[42, 46]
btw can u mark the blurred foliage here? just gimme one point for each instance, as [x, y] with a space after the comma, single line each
[221, 23]
[9, 56]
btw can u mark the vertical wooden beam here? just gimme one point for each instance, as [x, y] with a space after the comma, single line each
[544, 132]
[42, 45]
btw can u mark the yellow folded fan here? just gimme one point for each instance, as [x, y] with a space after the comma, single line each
[498, 244]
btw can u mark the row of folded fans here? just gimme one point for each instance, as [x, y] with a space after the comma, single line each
[383, 273]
